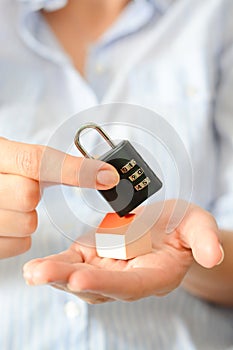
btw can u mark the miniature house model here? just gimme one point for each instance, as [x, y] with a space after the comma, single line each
[114, 239]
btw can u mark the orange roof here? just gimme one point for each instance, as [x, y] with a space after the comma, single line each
[112, 221]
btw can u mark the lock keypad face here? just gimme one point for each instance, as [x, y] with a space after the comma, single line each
[139, 172]
[142, 184]
[137, 180]
[127, 167]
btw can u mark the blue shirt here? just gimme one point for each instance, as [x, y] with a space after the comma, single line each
[174, 58]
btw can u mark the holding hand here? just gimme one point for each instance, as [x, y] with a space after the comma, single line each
[21, 168]
[80, 271]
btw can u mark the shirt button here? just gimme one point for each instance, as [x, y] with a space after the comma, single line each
[72, 309]
[99, 68]
[192, 91]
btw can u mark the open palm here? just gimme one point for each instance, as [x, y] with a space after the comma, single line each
[80, 271]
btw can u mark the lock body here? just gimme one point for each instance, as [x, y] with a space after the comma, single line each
[137, 180]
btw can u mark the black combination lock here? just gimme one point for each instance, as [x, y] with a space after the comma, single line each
[137, 180]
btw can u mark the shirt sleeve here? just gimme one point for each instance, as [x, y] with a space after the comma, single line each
[223, 118]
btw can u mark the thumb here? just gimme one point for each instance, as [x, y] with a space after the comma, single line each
[96, 174]
[207, 251]
[53, 166]
[200, 232]
[59, 167]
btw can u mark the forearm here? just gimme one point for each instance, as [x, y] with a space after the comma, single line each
[216, 284]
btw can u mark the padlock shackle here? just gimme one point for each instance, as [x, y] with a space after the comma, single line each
[100, 131]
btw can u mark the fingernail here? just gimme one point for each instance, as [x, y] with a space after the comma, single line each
[222, 257]
[107, 177]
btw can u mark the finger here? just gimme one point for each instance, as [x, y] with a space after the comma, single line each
[54, 271]
[17, 224]
[18, 193]
[200, 232]
[83, 278]
[123, 285]
[87, 278]
[50, 165]
[43, 271]
[13, 246]
[66, 256]
[128, 285]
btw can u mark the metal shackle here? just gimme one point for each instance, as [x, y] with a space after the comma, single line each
[100, 131]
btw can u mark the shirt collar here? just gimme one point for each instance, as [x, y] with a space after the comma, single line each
[136, 15]
[52, 5]
[48, 5]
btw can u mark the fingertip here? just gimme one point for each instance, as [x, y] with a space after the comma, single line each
[208, 255]
[84, 280]
[94, 173]
[29, 265]
[32, 272]
[77, 281]
[107, 177]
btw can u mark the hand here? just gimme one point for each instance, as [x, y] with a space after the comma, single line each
[21, 167]
[80, 271]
